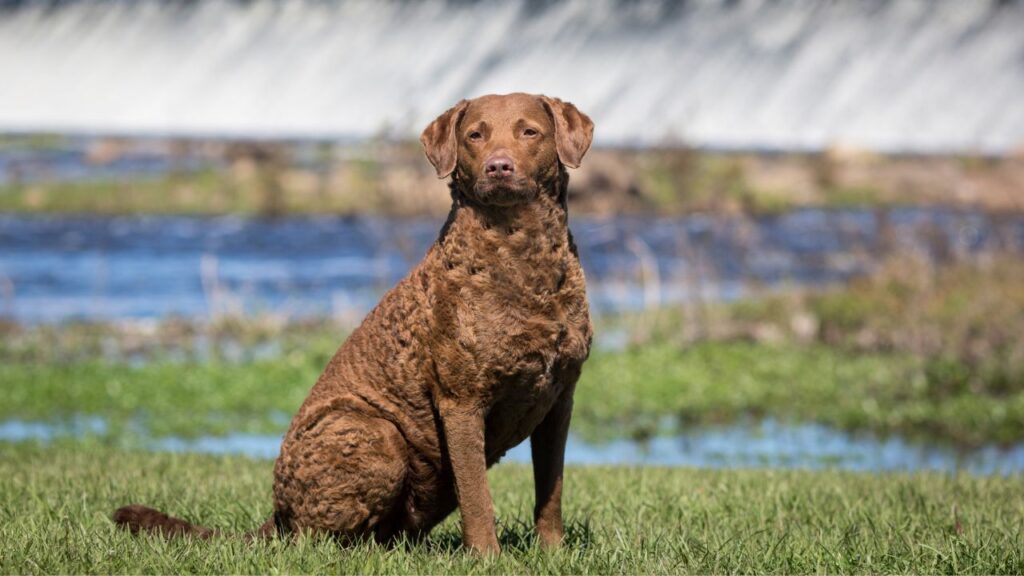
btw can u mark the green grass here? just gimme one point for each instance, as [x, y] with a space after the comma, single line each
[722, 382]
[55, 505]
[626, 393]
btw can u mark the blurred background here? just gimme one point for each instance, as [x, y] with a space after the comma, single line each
[802, 222]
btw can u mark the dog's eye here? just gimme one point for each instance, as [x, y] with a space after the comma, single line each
[475, 136]
[530, 132]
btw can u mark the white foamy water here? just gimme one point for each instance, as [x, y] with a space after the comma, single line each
[899, 75]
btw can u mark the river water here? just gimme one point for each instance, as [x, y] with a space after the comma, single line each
[763, 444]
[54, 269]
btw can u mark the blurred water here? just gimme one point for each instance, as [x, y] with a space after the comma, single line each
[60, 268]
[894, 75]
[771, 444]
[767, 444]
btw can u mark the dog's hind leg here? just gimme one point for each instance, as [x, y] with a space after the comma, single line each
[343, 476]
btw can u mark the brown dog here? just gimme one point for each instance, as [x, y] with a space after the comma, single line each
[477, 349]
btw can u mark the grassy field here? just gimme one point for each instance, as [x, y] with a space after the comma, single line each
[55, 504]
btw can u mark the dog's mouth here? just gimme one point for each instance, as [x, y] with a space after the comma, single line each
[505, 192]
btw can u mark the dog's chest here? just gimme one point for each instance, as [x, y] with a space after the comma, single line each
[520, 327]
[526, 374]
[524, 333]
[512, 321]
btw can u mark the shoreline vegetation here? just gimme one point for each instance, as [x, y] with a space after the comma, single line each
[911, 350]
[113, 176]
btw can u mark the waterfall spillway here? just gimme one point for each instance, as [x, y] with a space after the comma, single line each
[889, 75]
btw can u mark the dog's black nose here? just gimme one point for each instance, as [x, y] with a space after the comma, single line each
[499, 167]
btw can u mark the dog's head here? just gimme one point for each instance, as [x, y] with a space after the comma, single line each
[503, 150]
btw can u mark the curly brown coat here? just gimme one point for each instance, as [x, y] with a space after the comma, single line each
[477, 349]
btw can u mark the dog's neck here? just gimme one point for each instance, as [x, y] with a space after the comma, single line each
[545, 216]
[532, 236]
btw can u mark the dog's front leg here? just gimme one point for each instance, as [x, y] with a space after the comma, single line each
[547, 445]
[464, 436]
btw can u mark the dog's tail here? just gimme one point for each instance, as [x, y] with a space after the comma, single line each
[136, 518]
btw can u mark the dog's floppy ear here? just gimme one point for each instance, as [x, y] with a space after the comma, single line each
[573, 131]
[440, 142]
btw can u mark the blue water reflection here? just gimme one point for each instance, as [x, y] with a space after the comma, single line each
[58, 268]
[766, 444]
